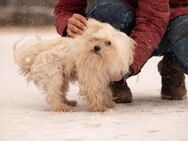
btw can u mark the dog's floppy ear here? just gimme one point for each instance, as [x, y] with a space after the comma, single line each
[130, 43]
[125, 47]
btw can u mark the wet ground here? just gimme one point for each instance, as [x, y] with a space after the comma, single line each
[24, 115]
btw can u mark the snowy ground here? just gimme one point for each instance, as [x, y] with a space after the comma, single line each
[24, 115]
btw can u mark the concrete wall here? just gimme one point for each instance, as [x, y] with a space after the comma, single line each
[26, 12]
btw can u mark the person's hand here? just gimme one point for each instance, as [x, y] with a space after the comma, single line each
[116, 77]
[76, 25]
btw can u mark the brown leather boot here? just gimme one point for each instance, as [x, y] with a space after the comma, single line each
[121, 92]
[173, 80]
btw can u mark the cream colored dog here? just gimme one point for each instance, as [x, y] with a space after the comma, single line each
[91, 59]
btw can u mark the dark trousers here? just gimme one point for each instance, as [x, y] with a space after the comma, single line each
[174, 42]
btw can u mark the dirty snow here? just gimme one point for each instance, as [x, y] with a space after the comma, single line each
[24, 115]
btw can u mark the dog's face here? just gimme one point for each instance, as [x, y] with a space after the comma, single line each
[102, 48]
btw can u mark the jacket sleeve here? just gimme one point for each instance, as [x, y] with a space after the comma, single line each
[64, 9]
[152, 18]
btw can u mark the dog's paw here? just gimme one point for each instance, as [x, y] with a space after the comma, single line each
[97, 108]
[110, 104]
[62, 108]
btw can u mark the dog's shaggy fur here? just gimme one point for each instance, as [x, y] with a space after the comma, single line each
[91, 59]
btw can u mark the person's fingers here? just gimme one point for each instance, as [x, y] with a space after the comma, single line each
[77, 23]
[80, 18]
[74, 29]
[70, 33]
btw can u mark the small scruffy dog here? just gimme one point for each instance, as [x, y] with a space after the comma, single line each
[91, 58]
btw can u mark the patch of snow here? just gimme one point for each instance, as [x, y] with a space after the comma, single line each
[25, 116]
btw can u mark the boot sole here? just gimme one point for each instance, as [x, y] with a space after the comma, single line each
[167, 97]
[119, 100]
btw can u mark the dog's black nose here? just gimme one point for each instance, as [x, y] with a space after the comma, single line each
[97, 48]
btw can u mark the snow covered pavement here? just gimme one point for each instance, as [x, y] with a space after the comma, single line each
[24, 115]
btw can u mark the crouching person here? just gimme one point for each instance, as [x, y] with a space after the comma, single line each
[158, 27]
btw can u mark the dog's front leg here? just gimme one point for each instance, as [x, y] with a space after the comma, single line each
[95, 101]
[98, 96]
[108, 100]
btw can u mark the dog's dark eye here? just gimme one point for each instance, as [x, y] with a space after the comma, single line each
[108, 43]
[97, 48]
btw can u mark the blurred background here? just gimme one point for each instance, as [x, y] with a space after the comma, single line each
[26, 12]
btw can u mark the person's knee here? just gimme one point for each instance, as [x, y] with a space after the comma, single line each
[114, 12]
[177, 29]
[180, 50]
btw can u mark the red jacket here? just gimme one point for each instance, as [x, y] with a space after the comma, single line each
[152, 18]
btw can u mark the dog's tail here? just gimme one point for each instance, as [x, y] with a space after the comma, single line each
[25, 53]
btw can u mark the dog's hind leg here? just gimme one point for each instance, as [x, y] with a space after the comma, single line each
[55, 97]
[47, 74]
